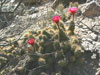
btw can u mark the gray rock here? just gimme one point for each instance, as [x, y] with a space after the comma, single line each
[97, 46]
[12, 1]
[8, 7]
[86, 39]
[90, 9]
[88, 0]
[88, 46]
[33, 16]
[32, 10]
[98, 1]
[93, 36]
[93, 56]
[29, 1]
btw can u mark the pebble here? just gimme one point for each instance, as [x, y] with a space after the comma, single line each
[94, 36]
[93, 56]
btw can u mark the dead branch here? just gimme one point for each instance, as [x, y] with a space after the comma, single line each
[17, 5]
[54, 4]
[6, 13]
[2, 4]
[11, 42]
[91, 29]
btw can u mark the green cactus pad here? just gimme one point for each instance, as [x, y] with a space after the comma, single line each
[62, 36]
[72, 26]
[62, 63]
[57, 45]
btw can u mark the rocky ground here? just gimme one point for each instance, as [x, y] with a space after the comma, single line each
[31, 18]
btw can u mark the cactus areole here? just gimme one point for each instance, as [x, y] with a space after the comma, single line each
[56, 19]
[31, 41]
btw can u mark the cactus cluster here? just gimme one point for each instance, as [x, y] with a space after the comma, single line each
[57, 47]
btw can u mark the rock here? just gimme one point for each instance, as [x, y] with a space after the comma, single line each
[94, 36]
[9, 7]
[86, 39]
[93, 56]
[12, 1]
[88, 1]
[98, 37]
[90, 9]
[97, 46]
[98, 1]
[33, 16]
[32, 10]
[88, 46]
[31, 2]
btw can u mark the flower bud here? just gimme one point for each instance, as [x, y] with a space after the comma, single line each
[31, 41]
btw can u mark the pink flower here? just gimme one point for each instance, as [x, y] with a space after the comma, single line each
[31, 41]
[56, 19]
[73, 10]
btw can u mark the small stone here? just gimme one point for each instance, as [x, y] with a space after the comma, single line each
[94, 36]
[12, 1]
[33, 16]
[87, 39]
[93, 56]
[19, 68]
[89, 32]
[31, 10]
[88, 46]
[97, 46]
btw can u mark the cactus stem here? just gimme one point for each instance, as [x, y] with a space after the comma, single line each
[58, 26]
[73, 17]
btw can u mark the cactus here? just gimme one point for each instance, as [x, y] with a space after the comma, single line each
[62, 35]
[62, 63]
[58, 42]
[41, 61]
[71, 4]
[71, 27]
[72, 59]
[57, 45]
[59, 55]
[76, 4]
[43, 73]
[54, 47]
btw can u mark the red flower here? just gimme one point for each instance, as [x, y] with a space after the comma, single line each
[56, 19]
[31, 41]
[73, 10]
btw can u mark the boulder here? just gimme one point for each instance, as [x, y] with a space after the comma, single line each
[90, 9]
[31, 2]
